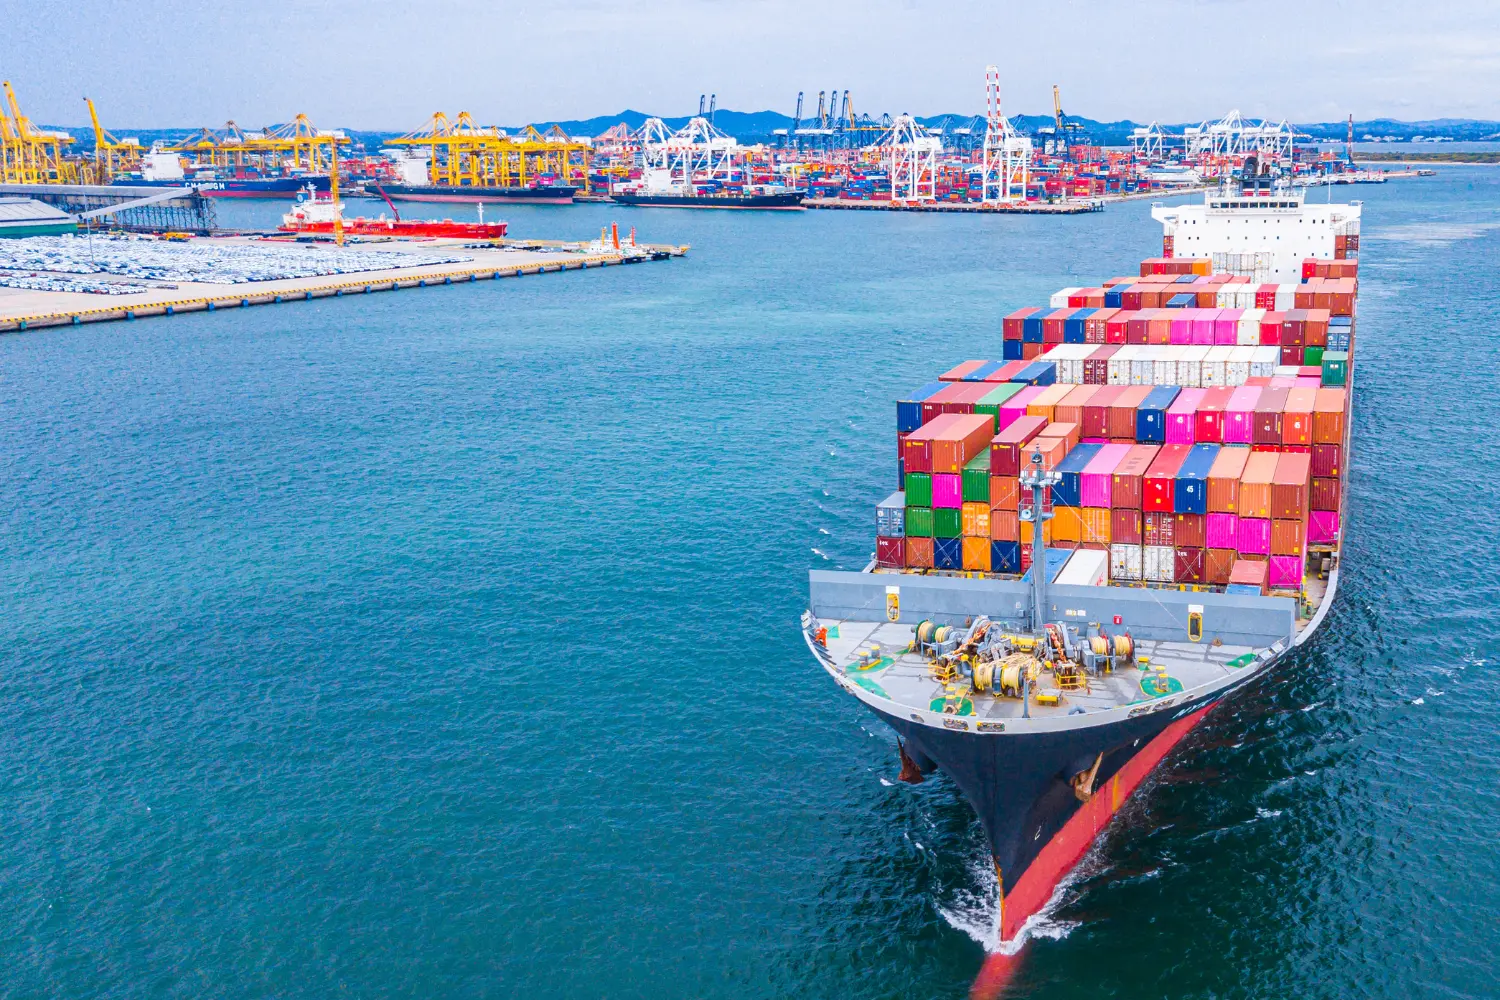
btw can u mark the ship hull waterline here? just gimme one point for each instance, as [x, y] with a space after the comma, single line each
[472, 195]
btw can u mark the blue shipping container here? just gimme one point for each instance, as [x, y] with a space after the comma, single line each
[978, 374]
[1011, 351]
[1031, 328]
[1074, 328]
[1151, 415]
[1036, 373]
[1069, 492]
[1190, 487]
[1056, 560]
[909, 408]
[1183, 300]
[948, 553]
[1005, 557]
[1113, 297]
[890, 516]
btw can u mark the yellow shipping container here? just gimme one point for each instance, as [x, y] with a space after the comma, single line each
[1065, 523]
[1093, 525]
[1046, 532]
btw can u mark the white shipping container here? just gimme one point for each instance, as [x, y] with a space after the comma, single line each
[1224, 298]
[1059, 299]
[1163, 372]
[1158, 563]
[1085, 568]
[1264, 361]
[1286, 297]
[1119, 365]
[1244, 298]
[1248, 331]
[1285, 371]
[1237, 368]
[1124, 562]
[1141, 371]
[1190, 365]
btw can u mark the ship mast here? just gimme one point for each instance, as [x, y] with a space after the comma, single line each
[1039, 513]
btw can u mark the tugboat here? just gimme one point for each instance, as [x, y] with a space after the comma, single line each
[313, 215]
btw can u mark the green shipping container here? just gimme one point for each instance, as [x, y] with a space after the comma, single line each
[919, 522]
[976, 482]
[990, 402]
[947, 522]
[1335, 367]
[918, 489]
[1312, 355]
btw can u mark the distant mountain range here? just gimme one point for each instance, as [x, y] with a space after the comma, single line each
[760, 126]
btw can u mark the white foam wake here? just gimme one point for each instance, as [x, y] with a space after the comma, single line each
[974, 910]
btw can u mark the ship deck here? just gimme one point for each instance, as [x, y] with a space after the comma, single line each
[905, 677]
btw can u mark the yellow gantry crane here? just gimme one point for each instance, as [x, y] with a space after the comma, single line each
[463, 153]
[29, 155]
[296, 145]
[112, 156]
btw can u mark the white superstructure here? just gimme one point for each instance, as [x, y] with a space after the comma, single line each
[1264, 235]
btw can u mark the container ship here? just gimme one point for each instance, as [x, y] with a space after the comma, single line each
[1101, 535]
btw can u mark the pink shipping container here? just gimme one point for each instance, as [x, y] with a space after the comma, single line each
[1182, 326]
[1308, 382]
[1203, 326]
[1096, 482]
[1015, 406]
[1239, 415]
[1322, 527]
[1254, 536]
[1227, 326]
[947, 490]
[1285, 573]
[1223, 531]
[1182, 416]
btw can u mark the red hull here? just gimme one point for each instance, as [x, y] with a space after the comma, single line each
[373, 227]
[1067, 847]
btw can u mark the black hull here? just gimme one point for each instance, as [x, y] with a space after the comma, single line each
[553, 195]
[789, 201]
[1020, 786]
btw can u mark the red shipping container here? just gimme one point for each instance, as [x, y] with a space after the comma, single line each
[1315, 331]
[1325, 494]
[1270, 329]
[1218, 566]
[1135, 328]
[1326, 460]
[1268, 410]
[1014, 325]
[1288, 538]
[1122, 412]
[1096, 366]
[1116, 327]
[1096, 410]
[1189, 530]
[1127, 488]
[918, 553]
[956, 444]
[1130, 297]
[1158, 528]
[1189, 565]
[1052, 325]
[938, 402]
[1125, 525]
[890, 552]
[1096, 327]
[1005, 447]
[916, 453]
[957, 372]
[1293, 328]
[1159, 481]
[1031, 351]
[1208, 423]
[1289, 488]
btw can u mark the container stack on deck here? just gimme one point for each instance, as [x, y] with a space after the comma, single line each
[1199, 422]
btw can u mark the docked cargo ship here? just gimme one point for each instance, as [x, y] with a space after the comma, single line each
[1132, 513]
[776, 200]
[314, 216]
[550, 194]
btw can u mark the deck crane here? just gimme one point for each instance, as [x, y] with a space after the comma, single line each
[713, 104]
[701, 99]
[111, 155]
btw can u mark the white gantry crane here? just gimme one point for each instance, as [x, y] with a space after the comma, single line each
[1150, 142]
[1233, 136]
[911, 158]
[674, 161]
[1007, 153]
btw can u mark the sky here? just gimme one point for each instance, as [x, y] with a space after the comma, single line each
[389, 64]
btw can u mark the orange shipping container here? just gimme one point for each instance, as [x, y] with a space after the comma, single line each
[1328, 416]
[1289, 486]
[1093, 525]
[919, 553]
[1005, 525]
[1224, 480]
[966, 437]
[976, 520]
[1297, 415]
[1070, 410]
[1065, 524]
[1044, 403]
[1069, 432]
[976, 552]
[1255, 484]
[1288, 537]
[1053, 450]
[1026, 531]
[1005, 494]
